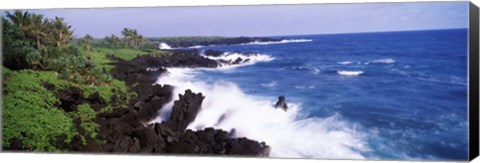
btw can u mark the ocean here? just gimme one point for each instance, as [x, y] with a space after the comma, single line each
[378, 96]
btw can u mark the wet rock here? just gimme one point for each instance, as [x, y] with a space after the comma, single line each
[185, 110]
[150, 110]
[281, 103]
[238, 61]
[214, 141]
[244, 146]
[213, 53]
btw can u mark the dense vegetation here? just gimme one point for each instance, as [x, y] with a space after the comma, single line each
[41, 59]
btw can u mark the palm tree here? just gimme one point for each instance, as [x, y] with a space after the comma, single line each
[140, 41]
[87, 42]
[41, 31]
[131, 38]
[19, 18]
[134, 38]
[60, 33]
[112, 40]
[30, 24]
[127, 36]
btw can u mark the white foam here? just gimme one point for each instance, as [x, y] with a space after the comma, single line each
[269, 84]
[230, 58]
[195, 47]
[349, 73]
[287, 133]
[345, 62]
[316, 71]
[384, 61]
[164, 46]
[284, 41]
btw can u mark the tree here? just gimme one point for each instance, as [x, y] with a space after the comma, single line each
[131, 38]
[19, 18]
[40, 31]
[113, 40]
[87, 42]
[17, 52]
[60, 33]
[30, 24]
[140, 40]
[35, 40]
[127, 36]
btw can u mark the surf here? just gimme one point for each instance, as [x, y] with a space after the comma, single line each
[289, 133]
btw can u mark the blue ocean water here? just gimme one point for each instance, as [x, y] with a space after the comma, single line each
[406, 91]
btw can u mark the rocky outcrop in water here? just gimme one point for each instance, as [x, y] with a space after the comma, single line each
[281, 103]
[185, 110]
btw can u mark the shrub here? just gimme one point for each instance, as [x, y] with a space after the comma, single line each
[29, 114]
[86, 115]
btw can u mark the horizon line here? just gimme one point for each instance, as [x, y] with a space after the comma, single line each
[290, 35]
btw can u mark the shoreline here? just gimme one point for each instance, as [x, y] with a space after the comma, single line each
[184, 110]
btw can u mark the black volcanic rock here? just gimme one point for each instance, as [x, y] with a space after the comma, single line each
[244, 146]
[126, 129]
[188, 59]
[281, 103]
[70, 98]
[137, 71]
[185, 110]
[213, 53]
[96, 102]
[219, 41]
[213, 141]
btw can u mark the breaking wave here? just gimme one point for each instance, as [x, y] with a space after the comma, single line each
[382, 61]
[164, 46]
[289, 134]
[349, 73]
[278, 42]
[345, 62]
[230, 60]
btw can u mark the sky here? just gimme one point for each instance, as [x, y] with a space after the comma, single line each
[265, 20]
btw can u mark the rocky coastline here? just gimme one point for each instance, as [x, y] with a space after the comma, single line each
[191, 42]
[127, 130]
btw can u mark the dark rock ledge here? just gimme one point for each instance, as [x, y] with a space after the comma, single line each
[123, 129]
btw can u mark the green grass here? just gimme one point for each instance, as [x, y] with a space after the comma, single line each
[101, 60]
[107, 91]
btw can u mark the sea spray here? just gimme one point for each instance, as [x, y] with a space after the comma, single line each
[164, 46]
[228, 59]
[289, 134]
